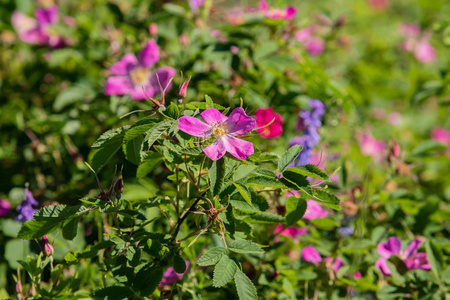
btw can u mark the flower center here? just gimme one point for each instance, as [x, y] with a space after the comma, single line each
[139, 75]
[219, 129]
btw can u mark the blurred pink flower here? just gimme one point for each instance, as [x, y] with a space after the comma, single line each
[224, 129]
[5, 208]
[195, 5]
[424, 52]
[38, 30]
[411, 258]
[263, 117]
[311, 255]
[369, 146]
[394, 118]
[334, 264]
[417, 42]
[133, 76]
[314, 45]
[291, 232]
[314, 210]
[379, 5]
[277, 13]
[170, 276]
[153, 29]
[234, 49]
[441, 135]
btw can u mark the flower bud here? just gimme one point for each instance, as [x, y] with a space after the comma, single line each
[47, 248]
[153, 29]
[19, 286]
[182, 91]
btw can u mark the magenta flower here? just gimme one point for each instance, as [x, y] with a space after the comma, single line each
[291, 232]
[170, 276]
[131, 75]
[369, 146]
[334, 264]
[5, 208]
[224, 129]
[38, 30]
[314, 210]
[410, 257]
[277, 13]
[314, 45]
[263, 117]
[441, 135]
[417, 42]
[311, 255]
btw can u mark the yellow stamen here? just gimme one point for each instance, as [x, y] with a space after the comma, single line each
[139, 75]
[219, 129]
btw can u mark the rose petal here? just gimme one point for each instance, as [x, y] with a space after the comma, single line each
[412, 248]
[314, 210]
[311, 255]
[138, 94]
[239, 123]
[263, 6]
[391, 247]
[124, 65]
[47, 16]
[118, 85]
[381, 264]
[195, 127]
[149, 55]
[424, 52]
[290, 13]
[212, 115]
[237, 147]
[21, 22]
[164, 76]
[216, 150]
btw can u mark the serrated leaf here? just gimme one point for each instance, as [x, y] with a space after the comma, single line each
[139, 129]
[114, 293]
[265, 217]
[132, 149]
[295, 209]
[435, 258]
[327, 199]
[224, 271]
[106, 147]
[259, 203]
[294, 180]
[155, 132]
[70, 229]
[288, 157]
[216, 175]
[179, 265]
[263, 181]
[172, 111]
[209, 102]
[212, 256]
[151, 161]
[148, 279]
[245, 246]
[202, 105]
[310, 171]
[245, 193]
[34, 229]
[244, 286]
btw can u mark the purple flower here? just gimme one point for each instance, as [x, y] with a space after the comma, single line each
[277, 13]
[27, 208]
[170, 276]
[314, 210]
[410, 257]
[5, 208]
[37, 30]
[310, 254]
[224, 129]
[130, 74]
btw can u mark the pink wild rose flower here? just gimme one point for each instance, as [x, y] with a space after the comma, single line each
[170, 276]
[37, 30]
[411, 258]
[291, 232]
[5, 208]
[263, 117]
[314, 210]
[314, 45]
[417, 42]
[131, 75]
[369, 146]
[277, 13]
[441, 135]
[224, 129]
[311, 255]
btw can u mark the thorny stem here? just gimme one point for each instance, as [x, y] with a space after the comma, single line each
[177, 229]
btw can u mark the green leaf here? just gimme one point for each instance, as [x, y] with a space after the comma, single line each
[209, 102]
[310, 171]
[243, 171]
[148, 279]
[70, 229]
[132, 149]
[16, 250]
[139, 129]
[155, 132]
[296, 181]
[327, 199]
[245, 246]
[245, 193]
[224, 271]
[151, 161]
[435, 258]
[106, 147]
[244, 286]
[295, 209]
[212, 256]
[114, 293]
[172, 111]
[77, 93]
[202, 105]
[259, 203]
[288, 157]
[34, 229]
[179, 265]
[265, 217]
[263, 182]
[217, 175]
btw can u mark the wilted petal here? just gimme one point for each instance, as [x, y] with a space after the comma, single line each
[149, 55]
[239, 123]
[118, 85]
[212, 115]
[124, 65]
[216, 150]
[47, 16]
[195, 127]
[138, 92]
[381, 264]
[237, 147]
[165, 74]
[311, 255]
[412, 248]
[391, 247]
